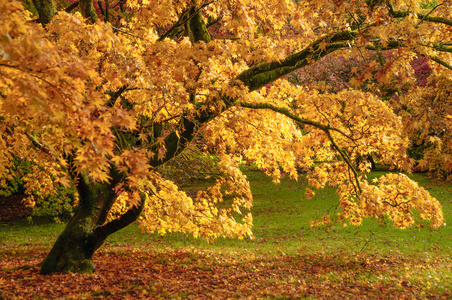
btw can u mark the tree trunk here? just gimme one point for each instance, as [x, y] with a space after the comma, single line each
[85, 233]
[74, 248]
[88, 11]
[46, 10]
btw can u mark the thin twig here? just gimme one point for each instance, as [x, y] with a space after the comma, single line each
[424, 17]
[126, 32]
[368, 240]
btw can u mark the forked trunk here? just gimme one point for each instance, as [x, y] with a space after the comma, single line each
[86, 232]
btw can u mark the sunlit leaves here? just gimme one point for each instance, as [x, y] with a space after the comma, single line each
[400, 198]
[209, 214]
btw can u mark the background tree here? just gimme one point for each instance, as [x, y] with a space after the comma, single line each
[102, 107]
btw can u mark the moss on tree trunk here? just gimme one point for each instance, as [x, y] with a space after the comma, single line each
[86, 232]
[88, 11]
[74, 248]
[73, 251]
[46, 10]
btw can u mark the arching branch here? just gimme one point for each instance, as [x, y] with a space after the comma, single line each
[440, 61]
[422, 17]
[325, 128]
[102, 232]
[265, 73]
[287, 113]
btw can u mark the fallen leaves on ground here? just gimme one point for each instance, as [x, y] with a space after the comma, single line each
[190, 273]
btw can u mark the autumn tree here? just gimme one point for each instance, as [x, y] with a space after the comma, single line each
[102, 106]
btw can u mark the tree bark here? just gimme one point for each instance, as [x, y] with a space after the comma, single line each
[74, 248]
[88, 11]
[46, 10]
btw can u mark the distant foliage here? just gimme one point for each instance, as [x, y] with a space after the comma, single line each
[13, 182]
[51, 203]
[330, 74]
[422, 100]
[422, 70]
[56, 206]
[427, 119]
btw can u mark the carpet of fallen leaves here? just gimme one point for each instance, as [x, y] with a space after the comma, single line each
[194, 274]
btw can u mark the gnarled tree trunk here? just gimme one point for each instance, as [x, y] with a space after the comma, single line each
[86, 232]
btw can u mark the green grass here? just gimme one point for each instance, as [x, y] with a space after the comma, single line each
[281, 225]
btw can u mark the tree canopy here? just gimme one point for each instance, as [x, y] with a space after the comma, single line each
[100, 101]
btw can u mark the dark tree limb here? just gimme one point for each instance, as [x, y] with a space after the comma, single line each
[72, 6]
[198, 26]
[265, 73]
[441, 62]
[115, 95]
[184, 18]
[102, 11]
[87, 8]
[107, 11]
[422, 17]
[101, 233]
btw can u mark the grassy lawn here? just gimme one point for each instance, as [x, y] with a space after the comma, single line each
[285, 259]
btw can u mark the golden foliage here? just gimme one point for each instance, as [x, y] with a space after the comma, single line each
[88, 98]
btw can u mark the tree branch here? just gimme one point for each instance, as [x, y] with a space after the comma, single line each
[126, 32]
[441, 47]
[440, 61]
[183, 19]
[175, 142]
[198, 27]
[115, 95]
[287, 113]
[265, 73]
[422, 17]
[346, 158]
[72, 6]
[102, 232]
[9, 66]
[88, 11]
[432, 10]
[46, 10]
[37, 144]
[437, 46]
[325, 128]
